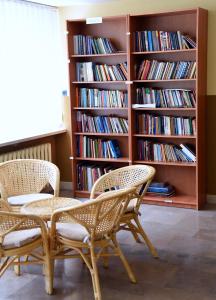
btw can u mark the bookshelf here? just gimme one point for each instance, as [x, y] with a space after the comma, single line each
[188, 178]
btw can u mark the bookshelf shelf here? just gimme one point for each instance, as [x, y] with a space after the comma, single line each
[176, 164]
[121, 160]
[165, 136]
[166, 52]
[100, 108]
[100, 82]
[188, 178]
[101, 134]
[100, 55]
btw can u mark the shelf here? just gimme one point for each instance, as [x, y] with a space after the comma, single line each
[100, 82]
[168, 80]
[166, 108]
[165, 136]
[99, 55]
[177, 164]
[166, 51]
[121, 159]
[100, 108]
[176, 200]
[101, 133]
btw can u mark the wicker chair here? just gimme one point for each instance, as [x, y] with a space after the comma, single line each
[23, 236]
[138, 176]
[23, 180]
[88, 226]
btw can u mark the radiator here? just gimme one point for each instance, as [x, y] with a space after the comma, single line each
[42, 151]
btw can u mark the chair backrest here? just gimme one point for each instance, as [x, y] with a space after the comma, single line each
[138, 176]
[27, 176]
[100, 216]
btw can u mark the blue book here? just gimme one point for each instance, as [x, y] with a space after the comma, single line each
[150, 41]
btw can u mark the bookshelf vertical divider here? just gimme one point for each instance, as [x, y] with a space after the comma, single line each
[187, 178]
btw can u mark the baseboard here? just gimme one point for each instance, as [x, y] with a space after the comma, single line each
[211, 199]
[66, 185]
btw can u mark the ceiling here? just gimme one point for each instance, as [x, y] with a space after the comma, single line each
[69, 2]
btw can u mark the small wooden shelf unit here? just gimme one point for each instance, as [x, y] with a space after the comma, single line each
[187, 178]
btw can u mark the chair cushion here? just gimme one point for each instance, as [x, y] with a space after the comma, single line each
[23, 199]
[20, 238]
[72, 231]
[131, 205]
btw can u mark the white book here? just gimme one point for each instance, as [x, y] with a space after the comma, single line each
[148, 105]
[89, 71]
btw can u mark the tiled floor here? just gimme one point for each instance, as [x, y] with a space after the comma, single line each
[186, 270]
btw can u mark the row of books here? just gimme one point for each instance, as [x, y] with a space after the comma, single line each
[86, 44]
[167, 125]
[151, 151]
[89, 71]
[156, 40]
[102, 124]
[97, 148]
[160, 189]
[160, 70]
[150, 97]
[87, 174]
[101, 98]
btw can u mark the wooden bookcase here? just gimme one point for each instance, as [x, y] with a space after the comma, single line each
[187, 178]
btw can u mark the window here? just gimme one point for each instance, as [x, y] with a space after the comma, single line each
[30, 69]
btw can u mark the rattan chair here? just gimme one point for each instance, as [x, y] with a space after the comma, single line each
[23, 236]
[89, 227]
[23, 180]
[138, 176]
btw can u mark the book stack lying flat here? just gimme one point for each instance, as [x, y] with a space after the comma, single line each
[101, 124]
[87, 175]
[85, 44]
[167, 125]
[150, 151]
[101, 98]
[159, 70]
[97, 148]
[161, 189]
[150, 97]
[89, 71]
[162, 40]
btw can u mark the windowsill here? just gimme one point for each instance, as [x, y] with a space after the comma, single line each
[33, 137]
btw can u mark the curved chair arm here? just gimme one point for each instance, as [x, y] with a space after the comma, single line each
[54, 180]
[4, 206]
[3, 193]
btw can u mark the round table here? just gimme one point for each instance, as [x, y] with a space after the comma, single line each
[46, 207]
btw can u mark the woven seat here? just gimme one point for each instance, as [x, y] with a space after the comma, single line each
[23, 181]
[23, 236]
[94, 233]
[138, 176]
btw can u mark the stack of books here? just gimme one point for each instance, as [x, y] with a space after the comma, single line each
[101, 98]
[86, 44]
[97, 148]
[148, 40]
[150, 151]
[87, 174]
[161, 189]
[101, 124]
[160, 70]
[150, 97]
[167, 125]
[89, 71]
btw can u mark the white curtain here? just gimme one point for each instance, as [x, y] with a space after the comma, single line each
[30, 69]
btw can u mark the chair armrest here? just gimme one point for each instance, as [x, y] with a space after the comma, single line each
[4, 205]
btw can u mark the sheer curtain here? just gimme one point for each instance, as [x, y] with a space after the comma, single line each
[30, 69]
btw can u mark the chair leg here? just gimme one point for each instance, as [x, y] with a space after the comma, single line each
[49, 271]
[106, 258]
[145, 237]
[17, 267]
[134, 233]
[124, 261]
[94, 274]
